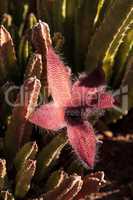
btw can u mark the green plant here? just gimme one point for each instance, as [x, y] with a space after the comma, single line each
[26, 164]
[90, 34]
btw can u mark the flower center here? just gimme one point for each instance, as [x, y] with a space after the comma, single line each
[74, 115]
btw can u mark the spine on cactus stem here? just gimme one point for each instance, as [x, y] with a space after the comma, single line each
[28, 151]
[34, 66]
[19, 129]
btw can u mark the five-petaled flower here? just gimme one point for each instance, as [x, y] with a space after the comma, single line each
[72, 104]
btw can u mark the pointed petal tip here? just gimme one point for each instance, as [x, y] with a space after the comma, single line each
[106, 100]
[58, 78]
[48, 116]
[83, 141]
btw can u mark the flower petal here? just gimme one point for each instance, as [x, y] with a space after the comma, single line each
[82, 139]
[94, 79]
[105, 100]
[48, 116]
[58, 78]
[82, 96]
[88, 85]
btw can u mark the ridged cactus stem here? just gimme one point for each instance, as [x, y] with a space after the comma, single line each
[55, 180]
[34, 66]
[31, 20]
[102, 9]
[5, 195]
[40, 37]
[68, 189]
[24, 50]
[99, 8]
[106, 32]
[121, 58]
[6, 20]
[115, 44]
[91, 184]
[23, 178]
[19, 129]
[28, 151]
[2, 173]
[25, 12]
[7, 56]
[49, 155]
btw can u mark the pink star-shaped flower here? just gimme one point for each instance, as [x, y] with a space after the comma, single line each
[70, 105]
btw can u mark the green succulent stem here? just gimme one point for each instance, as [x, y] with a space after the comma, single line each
[106, 32]
[3, 173]
[49, 155]
[23, 178]
[28, 151]
[115, 44]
